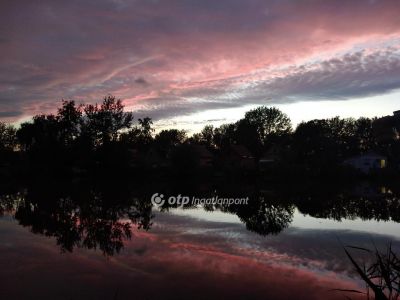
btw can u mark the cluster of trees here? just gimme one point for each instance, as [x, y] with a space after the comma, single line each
[259, 129]
[86, 136]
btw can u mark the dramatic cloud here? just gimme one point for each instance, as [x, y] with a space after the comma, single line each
[171, 58]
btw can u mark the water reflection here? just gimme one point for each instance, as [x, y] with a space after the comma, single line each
[80, 215]
[364, 201]
[102, 214]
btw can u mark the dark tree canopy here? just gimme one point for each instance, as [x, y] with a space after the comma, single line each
[139, 136]
[247, 134]
[69, 117]
[43, 132]
[168, 138]
[81, 138]
[224, 135]
[268, 121]
[104, 122]
[207, 134]
[8, 140]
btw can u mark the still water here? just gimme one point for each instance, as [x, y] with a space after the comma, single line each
[109, 242]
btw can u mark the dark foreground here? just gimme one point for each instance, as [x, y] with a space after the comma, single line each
[85, 240]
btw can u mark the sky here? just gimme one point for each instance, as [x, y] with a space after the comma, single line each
[188, 63]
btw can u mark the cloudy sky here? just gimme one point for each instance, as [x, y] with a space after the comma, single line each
[185, 63]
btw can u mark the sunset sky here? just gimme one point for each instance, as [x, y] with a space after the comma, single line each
[187, 63]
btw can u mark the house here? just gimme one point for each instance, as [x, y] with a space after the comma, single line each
[367, 163]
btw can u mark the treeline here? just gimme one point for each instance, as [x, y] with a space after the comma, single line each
[88, 138]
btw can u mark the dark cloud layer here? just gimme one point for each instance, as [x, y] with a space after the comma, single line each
[179, 57]
[9, 114]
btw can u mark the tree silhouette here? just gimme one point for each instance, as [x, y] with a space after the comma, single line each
[246, 134]
[267, 121]
[91, 216]
[169, 138]
[90, 138]
[8, 139]
[224, 136]
[207, 136]
[69, 117]
[104, 122]
[140, 136]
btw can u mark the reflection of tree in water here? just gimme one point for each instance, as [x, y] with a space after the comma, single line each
[265, 216]
[9, 197]
[101, 215]
[367, 203]
[272, 213]
[8, 202]
[89, 217]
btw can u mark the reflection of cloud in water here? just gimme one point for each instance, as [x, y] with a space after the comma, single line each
[305, 221]
[317, 249]
[175, 262]
[231, 254]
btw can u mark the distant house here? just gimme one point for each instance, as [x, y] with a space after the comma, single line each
[367, 163]
[239, 157]
[206, 158]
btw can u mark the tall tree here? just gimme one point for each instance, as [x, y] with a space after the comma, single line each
[246, 134]
[207, 135]
[364, 134]
[140, 136]
[8, 138]
[69, 117]
[43, 133]
[104, 122]
[268, 121]
[312, 142]
[224, 135]
[146, 128]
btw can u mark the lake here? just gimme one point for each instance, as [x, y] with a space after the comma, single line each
[84, 240]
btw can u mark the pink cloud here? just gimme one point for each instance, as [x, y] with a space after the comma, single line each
[192, 56]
